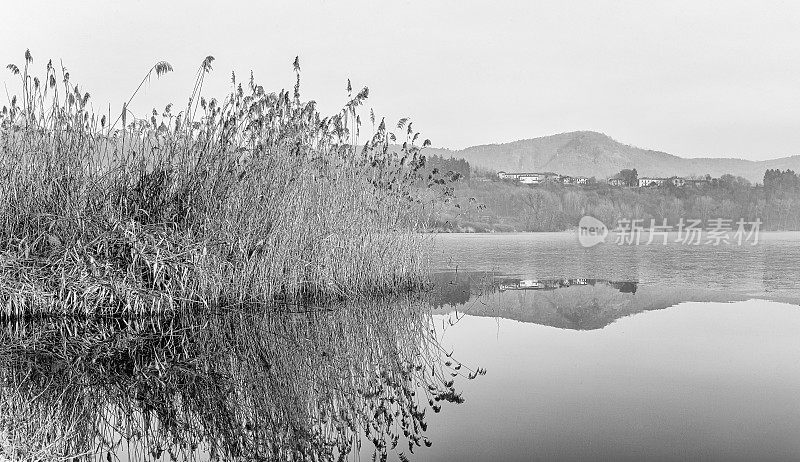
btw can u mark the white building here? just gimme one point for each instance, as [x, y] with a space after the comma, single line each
[530, 178]
[647, 181]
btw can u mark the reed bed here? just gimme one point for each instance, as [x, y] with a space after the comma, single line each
[236, 385]
[256, 198]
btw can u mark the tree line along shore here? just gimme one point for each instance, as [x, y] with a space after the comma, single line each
[481, 201]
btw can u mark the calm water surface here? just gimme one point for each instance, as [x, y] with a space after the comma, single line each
[528, 347]
[621, 352]
[769, 269]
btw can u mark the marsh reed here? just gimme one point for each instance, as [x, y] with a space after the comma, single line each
[232, 385]
[256, 198]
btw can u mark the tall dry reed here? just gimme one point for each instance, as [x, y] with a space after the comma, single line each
[255, 198]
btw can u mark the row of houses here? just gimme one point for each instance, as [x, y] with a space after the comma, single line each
[539, 178]
[645, 182]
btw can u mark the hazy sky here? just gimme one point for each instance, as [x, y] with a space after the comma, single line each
[691, 78]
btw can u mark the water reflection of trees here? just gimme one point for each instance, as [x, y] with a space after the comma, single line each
[454, 289]
[567, 303]
[231, 385]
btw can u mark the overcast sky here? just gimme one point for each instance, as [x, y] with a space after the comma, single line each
[696, 79]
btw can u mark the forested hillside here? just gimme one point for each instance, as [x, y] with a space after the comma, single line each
[483, 203]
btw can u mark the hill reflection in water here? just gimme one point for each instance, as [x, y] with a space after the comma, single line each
[569, 303]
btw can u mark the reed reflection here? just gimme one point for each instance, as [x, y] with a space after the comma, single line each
[228, 385]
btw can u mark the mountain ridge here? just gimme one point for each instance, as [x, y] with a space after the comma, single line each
[595, 154]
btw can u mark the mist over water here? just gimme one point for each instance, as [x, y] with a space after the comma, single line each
[765, 270]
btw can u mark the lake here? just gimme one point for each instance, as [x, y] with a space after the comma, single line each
[621, 352]
[527, 347]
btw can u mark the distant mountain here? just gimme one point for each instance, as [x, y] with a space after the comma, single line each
[597, 155]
